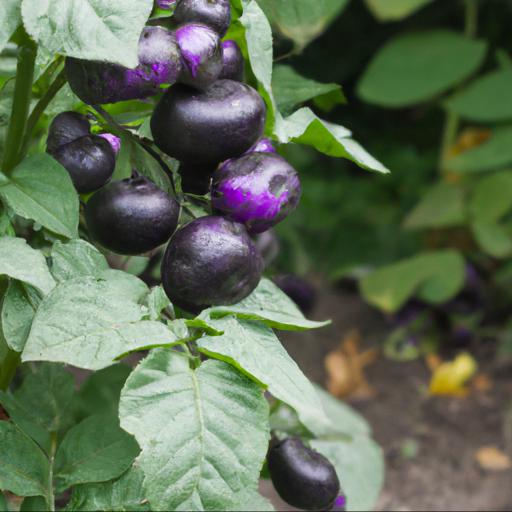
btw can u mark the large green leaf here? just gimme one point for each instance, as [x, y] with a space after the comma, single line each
[492, 197]
[493, 238]
[270, 305]
[418, 66]
[434, 277]
[125, 494]
[488, 98]
[19, 261]
[95, 450]
[204, 433]
[495, 153]
[255, 349]
[393, 10]
[10, 19]
[291, 89]
[441, 206]
[359, 463]
[89, 322]
[302, 20]
[41, 189]
[24, 468]
[59, 26]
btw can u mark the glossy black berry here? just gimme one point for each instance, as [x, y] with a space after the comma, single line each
[214, 13]
[232, 61]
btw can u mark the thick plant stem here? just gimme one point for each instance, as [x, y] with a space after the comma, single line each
[21, 104]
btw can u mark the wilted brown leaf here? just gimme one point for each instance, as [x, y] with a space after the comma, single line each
[491, 458]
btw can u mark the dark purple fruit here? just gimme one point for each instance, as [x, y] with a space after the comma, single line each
[201, 55]
[132, 216]
[214, 13]
[301, 476]
[210, 262]
[89, 159]
[264, 145]
[258, 190]
[232, 61]
[299, 290]
[268, 245]
[165, 4]
[196, 178]
[97, 82]
[213, 125]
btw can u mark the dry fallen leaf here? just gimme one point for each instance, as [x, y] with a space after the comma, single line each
[492, 459]
[345, 368]
[450, 378]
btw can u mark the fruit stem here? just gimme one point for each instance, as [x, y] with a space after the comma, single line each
[21, 104]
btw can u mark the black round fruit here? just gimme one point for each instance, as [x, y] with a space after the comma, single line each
[210, 262]
[196, 178]
[89, 159]
[213, 125]
[232, 61]
[302, 477]
[214, 13]
[132, 216]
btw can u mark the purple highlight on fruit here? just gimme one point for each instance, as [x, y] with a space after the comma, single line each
[114, 141]
[258, 190]
[165, 4]
[232, 61]
[264, 145]
[341, 502]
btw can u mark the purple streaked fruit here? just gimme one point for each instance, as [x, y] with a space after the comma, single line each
[96, 82]
[258, 190]
[232, 61]
[301, 476]
[165, 4]
[208, 126]
[210, 262]
[214, 13]
[89, 159]
[201, 55]
[264, 145]
[131, 216]
[113, 140]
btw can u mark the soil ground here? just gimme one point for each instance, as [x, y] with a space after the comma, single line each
[446, 432]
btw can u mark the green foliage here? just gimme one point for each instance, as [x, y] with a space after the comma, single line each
[10, 18]
[393, 10]
[416, 67]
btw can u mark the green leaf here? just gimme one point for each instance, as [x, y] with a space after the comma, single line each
[156, 302]
[33, 504]
[95, 450]
[492, 198]
[495, 153]
[89, 322]
[359, 463]
[18, 309]
[304, 127]
[41, 189]
[251, 501]
[24, 468]
[486, 99]
[256, 351]
[393, 10]
[292, 89]
[270, 305]
[302, 21]
[19, 261]
[3, 503]
[125, 494]
[493, 239]
[10, 19]
[418, 66]
[434, 277]
[193, 427]
[151, 168]
[443, 205]
[76, 258]
[58, 26]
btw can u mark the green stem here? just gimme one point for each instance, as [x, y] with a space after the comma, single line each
[39, 109]
[471, 18]
[53, 450]
[21, 105]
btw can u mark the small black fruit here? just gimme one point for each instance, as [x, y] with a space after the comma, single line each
[214, 13]
[232, 61]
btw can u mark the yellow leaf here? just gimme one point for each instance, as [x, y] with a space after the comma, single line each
[492, 459]
[450, 378]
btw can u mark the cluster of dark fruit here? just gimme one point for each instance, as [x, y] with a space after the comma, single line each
[213, 124]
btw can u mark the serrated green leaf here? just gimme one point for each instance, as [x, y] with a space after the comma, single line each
[493, 239]
[492, 198]
[418, 66]
[359, 463]
[251, 502]
[89, 322]
[58, 26]
[434, 277]
[486, 99]
[256, 350]
[269, 305]
[443, 205]
[40, 189]
[18, 309]
[95, 450]
[125, 494]
[393, 10]
[24, 468]
[193, 427]
[10, 19]
[493, 154]
[76, 258]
